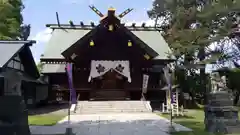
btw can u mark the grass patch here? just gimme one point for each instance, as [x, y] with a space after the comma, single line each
[194, 119]
[44, 119]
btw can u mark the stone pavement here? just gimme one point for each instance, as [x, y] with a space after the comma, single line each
[111, 124]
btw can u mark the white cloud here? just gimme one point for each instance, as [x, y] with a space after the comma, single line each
[43, 36]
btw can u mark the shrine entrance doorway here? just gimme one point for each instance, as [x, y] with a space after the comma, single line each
[112, 80]
[110, 86]
[109, 79]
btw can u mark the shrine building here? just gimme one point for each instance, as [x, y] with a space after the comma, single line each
[19, 75]
[109, 59]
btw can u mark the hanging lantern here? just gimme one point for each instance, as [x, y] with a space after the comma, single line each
[146, 56]
[110, 27]
[91, 43]
[129, 43]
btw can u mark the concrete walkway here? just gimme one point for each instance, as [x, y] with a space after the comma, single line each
[111, 124]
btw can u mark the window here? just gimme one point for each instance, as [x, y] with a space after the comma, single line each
[17, 65]
[17, 58]
[10, 64]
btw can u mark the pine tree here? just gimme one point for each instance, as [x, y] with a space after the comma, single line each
[11, 21]
[191, 26]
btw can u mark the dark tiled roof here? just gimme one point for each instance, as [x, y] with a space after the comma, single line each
[8, 49]
[66, 35]
[30, 42]
[61, 40]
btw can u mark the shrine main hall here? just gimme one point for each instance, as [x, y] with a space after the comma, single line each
[111, 61]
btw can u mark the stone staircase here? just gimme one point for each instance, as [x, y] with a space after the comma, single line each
[96, 107]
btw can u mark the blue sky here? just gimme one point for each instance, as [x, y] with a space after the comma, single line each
[38, 13]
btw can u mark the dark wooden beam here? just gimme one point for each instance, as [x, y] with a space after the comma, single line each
[76, 26]
[96, 10]
[57, 17]
[125, 12]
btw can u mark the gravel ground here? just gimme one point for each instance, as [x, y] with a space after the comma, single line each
[111, 124]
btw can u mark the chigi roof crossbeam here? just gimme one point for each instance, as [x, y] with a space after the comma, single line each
[111, 11]
[96, 10]
[110, 14]
[110, 19]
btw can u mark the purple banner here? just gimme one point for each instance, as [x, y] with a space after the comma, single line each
[69, 71]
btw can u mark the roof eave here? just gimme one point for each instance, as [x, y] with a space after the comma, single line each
[68, 51]
[5, 65]
[25, 42]
[150, 51]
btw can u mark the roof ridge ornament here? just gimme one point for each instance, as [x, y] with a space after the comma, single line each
[96, 10]
[125, 12]
[111, 11]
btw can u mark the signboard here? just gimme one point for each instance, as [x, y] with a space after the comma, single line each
[145, 83]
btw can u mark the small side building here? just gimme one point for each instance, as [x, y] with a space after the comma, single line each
[19, 75]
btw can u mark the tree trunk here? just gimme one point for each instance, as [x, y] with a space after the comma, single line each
[193, 103]
[181, 98]
[201, 57]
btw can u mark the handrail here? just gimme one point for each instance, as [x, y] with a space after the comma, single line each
[143, 97]
[78, 96]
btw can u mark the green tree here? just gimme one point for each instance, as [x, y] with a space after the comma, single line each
[191, 26]
[11, 21]
[40, 66]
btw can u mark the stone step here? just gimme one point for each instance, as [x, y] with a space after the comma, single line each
[115, 104]
[110, 103]
[115, 110]
[111, 111]
[93, 107]
[99, 109]
[233, 129]
[96, 112]
[108, 112]
[89, 106]
[220, 96]
[112, 106]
